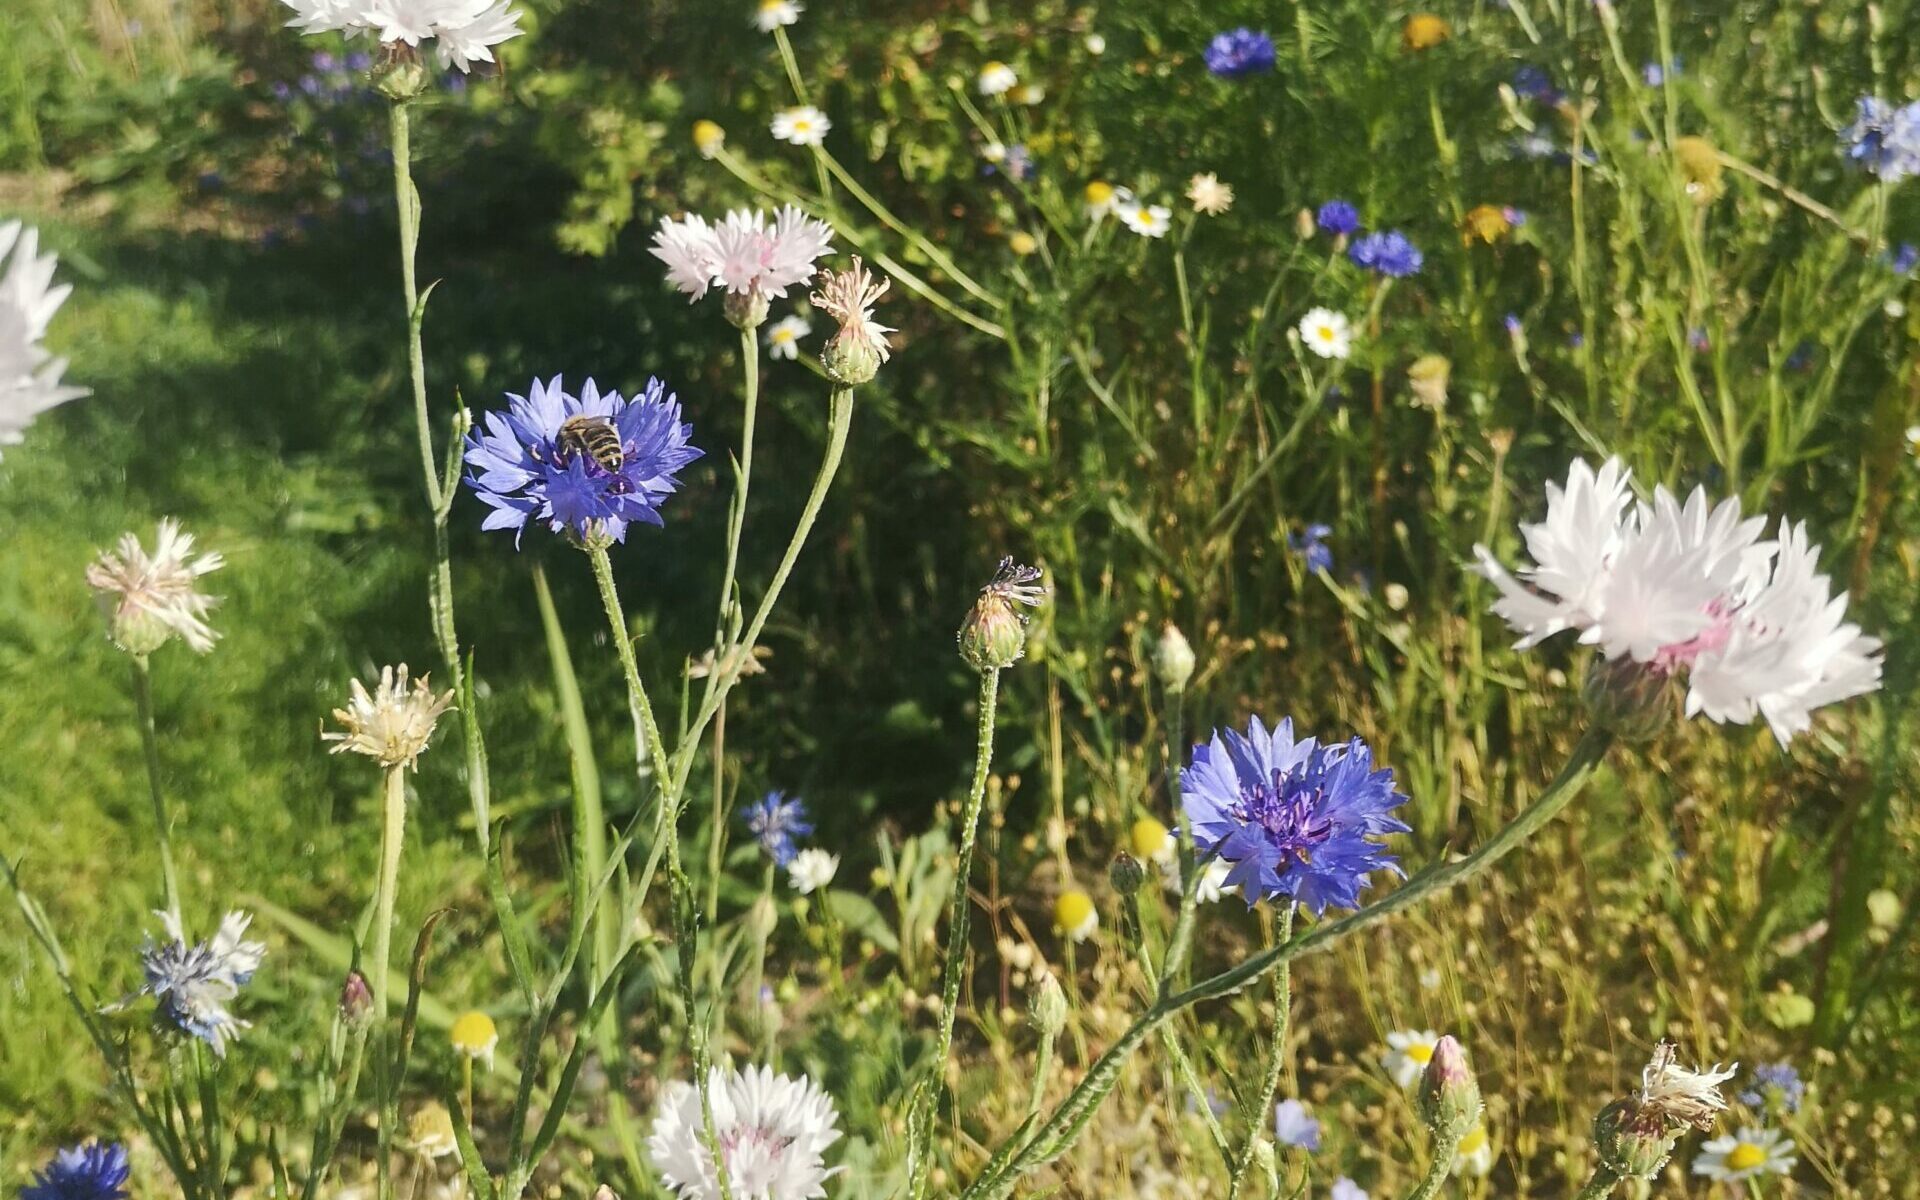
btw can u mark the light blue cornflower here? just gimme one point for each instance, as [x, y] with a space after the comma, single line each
[775, 822]
[1292, 1126]
[193, 983]
[1315, 553]
[1240, 52]
[1775, 1084]
[1884, 140]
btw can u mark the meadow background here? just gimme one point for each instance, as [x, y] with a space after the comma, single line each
[220, 203]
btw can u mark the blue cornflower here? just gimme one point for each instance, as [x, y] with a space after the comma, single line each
[775, 822]
[1903, 260]
[1516, 217]
[95, 1171]
[1513, 326]
[1292, 818]
[1775, 1083]
[1293, 1127]
[1656, 74]
[1388, 253]
[1338, 217]
[193, 982]
[1239, 52]
[1883, 139]
[539, 461]
[1532, 83]
[1307, 544]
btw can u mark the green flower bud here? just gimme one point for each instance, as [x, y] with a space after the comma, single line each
[1631, 699]
[1047, 1006]
[1449, 1094]
[746, 310]
[400, 75]
[1632, 1143]
[1172, 658]
[1126, 873]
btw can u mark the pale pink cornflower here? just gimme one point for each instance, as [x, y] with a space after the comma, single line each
[150, 599]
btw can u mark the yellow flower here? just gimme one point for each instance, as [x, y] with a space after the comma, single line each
[475, 1036]
[1487, 222]
[1022, 243]
[1100, 196]
[1699, 161]
[708, 137]
[1423, 31]
[430, 1132]
[1150, 839]
[1075, 916]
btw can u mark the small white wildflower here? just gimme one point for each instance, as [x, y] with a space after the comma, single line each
[772, 14]
[1095, 44]
[804, 125]
[1747, 1154]
[1474, 1155]
[996, 79]
[393, 723]
[1028, 94]
[1213, 882]
[1326, 333]
[811, 870]
[1147, 220]
[1408, 1052]
[151, 598]
[1210, 197]
[783, 337]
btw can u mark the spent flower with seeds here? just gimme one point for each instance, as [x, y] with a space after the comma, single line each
[29, 374]
[588, 465]
[1296, 819]
[193, 982]
[772, 1132]
[391, 724]
[90, 1171]
[994, 635]
[1688, 587]
[149, 599]
[854, 353]
[1208, 195]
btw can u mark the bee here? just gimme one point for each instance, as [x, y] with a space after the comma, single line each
[594, 437]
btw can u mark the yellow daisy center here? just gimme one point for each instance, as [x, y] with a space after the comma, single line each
[767, 6]
[473, 1033]
[1099, 192]
[1475, 1141]
[783, 336]
[1324, 333]
[1072, 910]
[1421, 1052]
[1149, 837]
[1745, 1157]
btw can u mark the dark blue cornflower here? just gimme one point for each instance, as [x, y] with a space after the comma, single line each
[1884, 140]
[95, 1171]
[1338, 217]
[1532, 83]
[1240, 52]
[775, 822]
[1293, 819]
[1775, 1083]
[1389, 254]
[1307, 544]
[530, 464]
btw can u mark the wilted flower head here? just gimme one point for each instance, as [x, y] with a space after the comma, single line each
[749, 255]
[29, 376]
[430, 1131]
[1701, 168]
[1680, 1096]
[152, 598]
[775, 822]
[1389, 254]
[1240, 52]
[1884, 140]
[1296, 819]
[803, 125]
[93, 1171]
[1209, 195]
[1427, 379]
[1486, 223]
[994, 635]
[1674, 587]
[772, 1131]
[854, 354]
[463, 31]
[194, 982]
[393, 723]
[588, 465]
[772, 14]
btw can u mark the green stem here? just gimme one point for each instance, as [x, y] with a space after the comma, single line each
[150, 746]
[1600, 1186]
[927, 1103]
[938, 256]
[728, 621]
[407, 199]
[1444, 1150]
[393, 827]
[1070, 1117]
[1276, 1062]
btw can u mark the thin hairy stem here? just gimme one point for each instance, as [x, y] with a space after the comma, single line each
[150, 746]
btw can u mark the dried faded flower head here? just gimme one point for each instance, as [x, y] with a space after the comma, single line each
[1679, 1095]
[393, 723]
[994, 635]
[854, 354]
[151, 598]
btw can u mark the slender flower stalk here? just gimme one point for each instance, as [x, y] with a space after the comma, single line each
[1276, 1061]
[727, 624]
[150, 747]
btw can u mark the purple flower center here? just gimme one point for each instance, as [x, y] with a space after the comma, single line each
[1287, 811]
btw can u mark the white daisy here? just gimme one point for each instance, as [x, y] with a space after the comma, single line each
[1748, 1154]
[783, 337]
[1690, 587]
[1147, 220]
[29, 376]
[996, 78]
[1326, 333]
[771, 1129]
[391, 724]
[811, 870]
[1474, 1155]
[772, 14]
[1075, 915]
[1103, 198]
[150, 599]
[1209, 196]
[1408, 1052]
[801, 126]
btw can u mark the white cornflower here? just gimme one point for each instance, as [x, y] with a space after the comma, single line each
[29, 376]
[802, 126]
[1750, 1153]
[772, 14]
[853, 354]
[1210, 197]
[152, 598]
[391, 725]
[1474, 1155]
[1213, 882]
[1408, 1052]
[783, 337]
[746, 254]
[1326, 333]
[811, 870]
[192, 983]
[1690, 586]
[1147, 220]
[772, 1131]
[996, 78]
[1095, 44]
[1678, 1095]
[463, 31]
